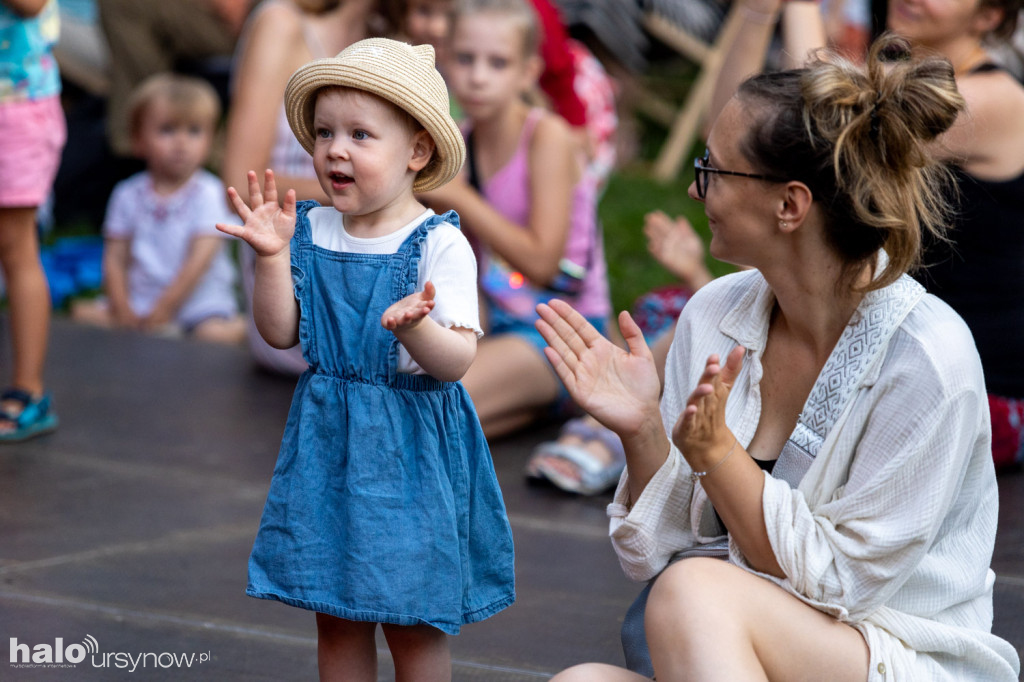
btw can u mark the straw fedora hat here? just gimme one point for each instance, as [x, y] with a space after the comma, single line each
[398, 72]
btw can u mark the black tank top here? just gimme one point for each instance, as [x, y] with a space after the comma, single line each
[981, 274]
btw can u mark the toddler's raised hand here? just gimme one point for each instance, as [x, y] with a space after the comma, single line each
[410, 311]
[268, 226]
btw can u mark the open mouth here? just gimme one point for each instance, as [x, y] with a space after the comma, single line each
[340, 180]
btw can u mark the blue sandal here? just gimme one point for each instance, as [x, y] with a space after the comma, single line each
[36, 417]
[595, 477]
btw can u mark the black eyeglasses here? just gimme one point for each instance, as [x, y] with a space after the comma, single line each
[702, 173]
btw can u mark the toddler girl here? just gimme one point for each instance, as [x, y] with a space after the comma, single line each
[528, 205]
[384, 507]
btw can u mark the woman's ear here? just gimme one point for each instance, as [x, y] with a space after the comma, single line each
[422, 151]
[796, 203]
[987, 19]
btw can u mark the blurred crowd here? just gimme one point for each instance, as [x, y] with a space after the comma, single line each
[133, 74]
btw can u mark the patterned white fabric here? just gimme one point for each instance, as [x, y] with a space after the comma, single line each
[892, 527]
[862, 343]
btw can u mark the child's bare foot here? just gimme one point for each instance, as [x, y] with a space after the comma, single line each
[678, 247]
[229, 331]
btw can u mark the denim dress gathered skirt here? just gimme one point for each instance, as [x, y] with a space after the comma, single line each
[384, 506]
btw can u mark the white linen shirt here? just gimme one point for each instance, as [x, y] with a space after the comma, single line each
[893, 525]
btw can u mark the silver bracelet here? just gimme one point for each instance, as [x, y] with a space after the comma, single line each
[697, 475]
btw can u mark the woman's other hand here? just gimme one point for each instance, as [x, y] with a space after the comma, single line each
[618, 388]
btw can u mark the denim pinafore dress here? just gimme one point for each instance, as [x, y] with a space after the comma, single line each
[384, 506]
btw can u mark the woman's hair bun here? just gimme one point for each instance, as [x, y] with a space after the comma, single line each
[887, 110]
[921, 94]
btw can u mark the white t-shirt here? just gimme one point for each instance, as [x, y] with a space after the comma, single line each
[161, 230]
[446, 259]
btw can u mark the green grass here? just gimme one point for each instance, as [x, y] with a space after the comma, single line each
[630, 195]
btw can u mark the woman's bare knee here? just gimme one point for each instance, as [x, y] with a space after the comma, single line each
[718, 621]
[689, 586]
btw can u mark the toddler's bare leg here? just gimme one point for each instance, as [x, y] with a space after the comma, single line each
[420, 652]
[346, 650]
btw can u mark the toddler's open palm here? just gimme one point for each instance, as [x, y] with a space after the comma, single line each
[268, 226]
[410, 310]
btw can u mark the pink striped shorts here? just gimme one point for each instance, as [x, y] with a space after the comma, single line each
[32, 135]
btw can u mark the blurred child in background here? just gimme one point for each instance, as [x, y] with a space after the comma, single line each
[529, 206]
[572, 80]
[165, 269]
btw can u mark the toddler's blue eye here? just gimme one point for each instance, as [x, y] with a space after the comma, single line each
[360, 135]
[323, 133]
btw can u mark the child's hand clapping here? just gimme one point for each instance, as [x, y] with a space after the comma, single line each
[268, 226]
[678, 247]
[410, 311]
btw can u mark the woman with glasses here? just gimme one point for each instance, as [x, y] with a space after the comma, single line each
[824, 421]
[979, 269]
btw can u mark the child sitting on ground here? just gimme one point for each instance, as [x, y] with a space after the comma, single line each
[165, 269]
[529, 204]
[588, 458]
[384, 506]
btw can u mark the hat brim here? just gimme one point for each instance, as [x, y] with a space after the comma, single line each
[300, 100]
